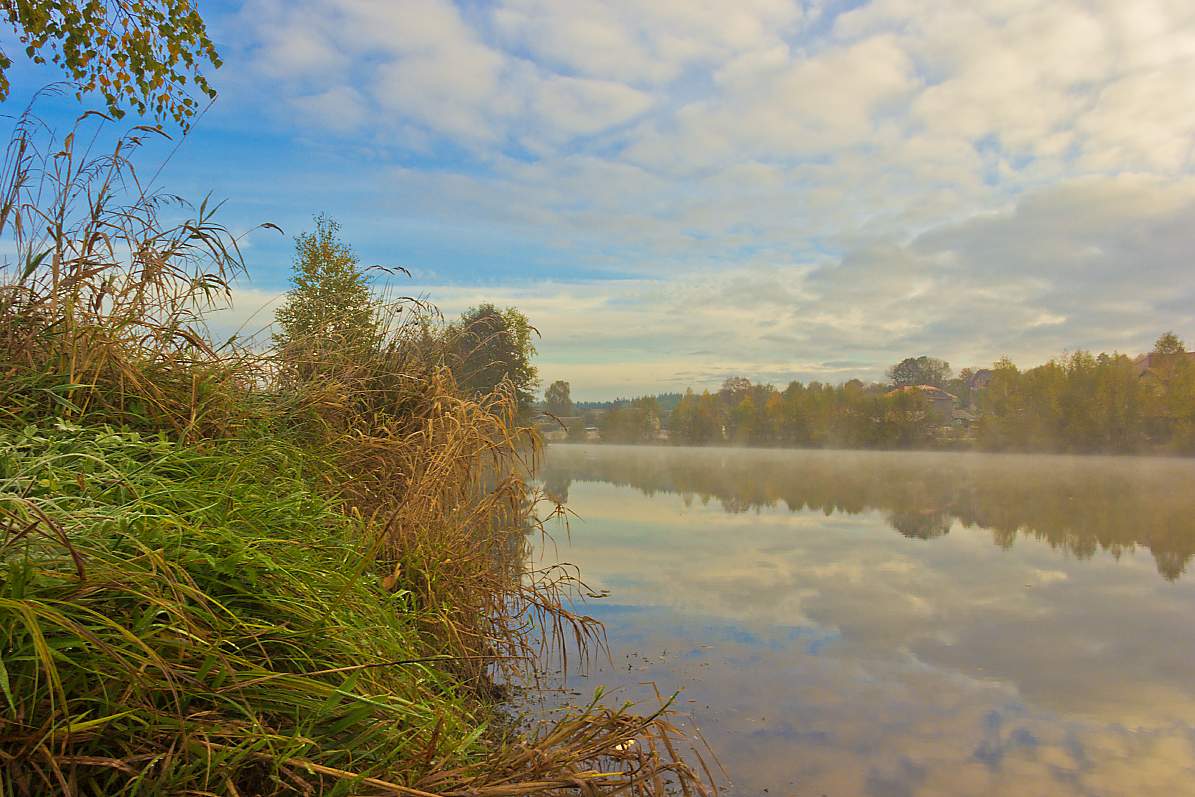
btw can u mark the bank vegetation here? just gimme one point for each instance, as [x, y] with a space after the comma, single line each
[1078, 402]
[295, 566]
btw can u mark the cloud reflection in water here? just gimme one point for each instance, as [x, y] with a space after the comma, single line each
[836, 656]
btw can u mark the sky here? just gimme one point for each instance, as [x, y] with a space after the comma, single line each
[677, 191]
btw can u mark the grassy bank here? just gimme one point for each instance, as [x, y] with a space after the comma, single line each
[259, 570]
[182, 618]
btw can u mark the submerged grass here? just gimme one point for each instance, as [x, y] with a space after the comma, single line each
[218, 579]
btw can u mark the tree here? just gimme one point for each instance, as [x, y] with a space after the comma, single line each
[684, 415]
[1169, 343]
[492, 346]
[557, 400]
[734, 388]
[696, 420]
[708, 426]
[1171, 394]
[960, 386]
[921, 370]
[139, 53]
[635, 422]
[330, 310]
[743, 429]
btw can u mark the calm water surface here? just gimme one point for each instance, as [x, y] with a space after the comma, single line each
[900, 624]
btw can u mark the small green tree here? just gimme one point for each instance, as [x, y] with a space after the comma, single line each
[492, 346]
[330, 311]
[557, 399]
[136, 53]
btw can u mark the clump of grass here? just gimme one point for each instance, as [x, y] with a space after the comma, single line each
[180, 619]
[217, 578]
[101, 309]
[440, 478]
[199, 623]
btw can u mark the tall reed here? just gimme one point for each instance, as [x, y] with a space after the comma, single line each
[218, 578]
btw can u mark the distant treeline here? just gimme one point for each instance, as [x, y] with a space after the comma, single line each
[1077, 403]
[665, 401]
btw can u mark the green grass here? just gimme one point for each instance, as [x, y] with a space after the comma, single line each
[224, 629]
[258, 580]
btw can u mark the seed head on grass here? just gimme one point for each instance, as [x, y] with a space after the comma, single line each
[220, 573]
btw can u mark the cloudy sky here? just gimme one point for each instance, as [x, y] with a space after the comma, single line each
[679, 190]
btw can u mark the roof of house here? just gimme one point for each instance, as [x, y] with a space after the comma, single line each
[980, 378]
[1145, 362]
[930, 392]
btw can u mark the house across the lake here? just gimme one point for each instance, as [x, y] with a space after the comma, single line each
[940, 402]
[980, 380]
[1145, 363]
[558, 429]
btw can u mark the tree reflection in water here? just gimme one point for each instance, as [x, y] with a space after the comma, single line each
[1077, 504]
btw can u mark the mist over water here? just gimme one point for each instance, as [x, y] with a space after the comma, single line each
[865, 623]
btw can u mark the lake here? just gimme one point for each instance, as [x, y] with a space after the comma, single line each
[853, 623]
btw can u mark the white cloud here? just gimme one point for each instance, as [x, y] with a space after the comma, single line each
[290, 46]
[340, 108]
[789, 187]
[642, 43]
[1144, 120]
[1059, 270]
[248, 316]
[577, 106]
[902, 664]
[720, 83]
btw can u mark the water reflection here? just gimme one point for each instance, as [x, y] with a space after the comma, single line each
[821, 653]
[1078, 504]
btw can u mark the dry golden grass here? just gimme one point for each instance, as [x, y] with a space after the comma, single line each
[219, 578]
